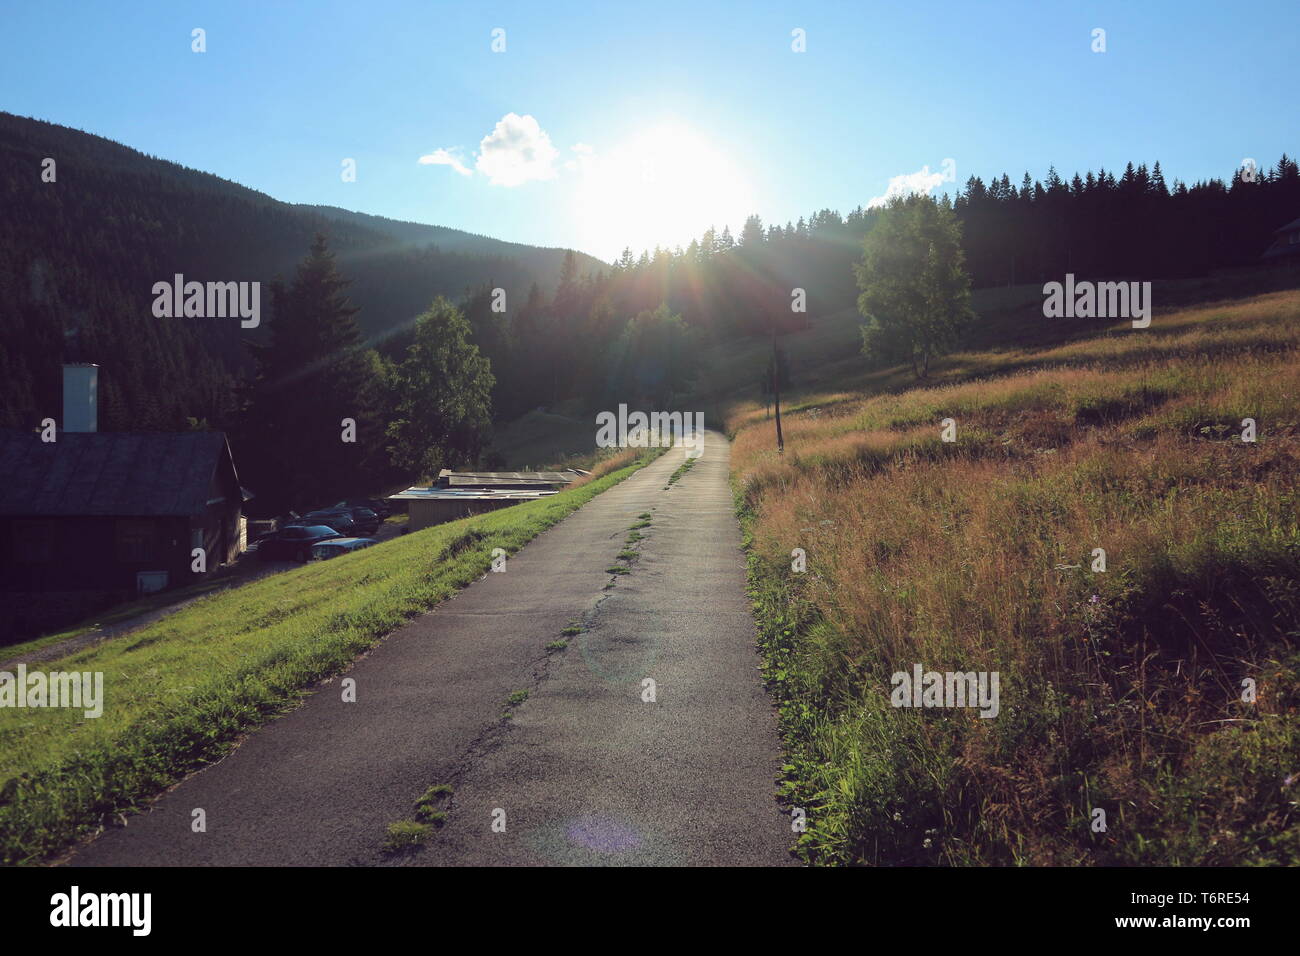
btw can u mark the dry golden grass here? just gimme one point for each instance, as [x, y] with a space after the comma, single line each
[1121, 689]
[608, 462]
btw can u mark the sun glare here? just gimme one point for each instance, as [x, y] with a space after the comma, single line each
[663, 187]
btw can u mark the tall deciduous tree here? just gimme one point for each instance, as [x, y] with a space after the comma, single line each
[444, 395]
[658, 356]
[915, 292]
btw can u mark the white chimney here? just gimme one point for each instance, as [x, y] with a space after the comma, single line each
[80, 398]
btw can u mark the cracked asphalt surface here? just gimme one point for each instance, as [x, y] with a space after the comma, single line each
[586, 771]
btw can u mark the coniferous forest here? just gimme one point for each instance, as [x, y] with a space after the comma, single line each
[344, 295]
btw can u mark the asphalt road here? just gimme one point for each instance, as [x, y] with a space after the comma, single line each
[586, 770]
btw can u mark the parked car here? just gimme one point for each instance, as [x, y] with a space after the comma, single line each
[294, 543]
[364, 521]
[337, 546]
[378, 505]
[367, 521]
[340, 521]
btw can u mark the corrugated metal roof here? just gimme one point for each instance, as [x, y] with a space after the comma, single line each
[471, 494]
[108, 473]
[517, 479]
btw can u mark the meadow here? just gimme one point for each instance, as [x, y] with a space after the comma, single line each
[1160, 690]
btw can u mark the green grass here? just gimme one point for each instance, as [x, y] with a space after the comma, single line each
[1121, 689]
[119, 613]
[405, 835]
[557, 645]
[427, 808]
[617, 570]
[181, 691]
[514, 700]
[682, 469]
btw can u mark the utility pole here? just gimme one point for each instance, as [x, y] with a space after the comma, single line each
[776, 394]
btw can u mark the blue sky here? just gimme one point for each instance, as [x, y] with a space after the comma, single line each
[682, 113]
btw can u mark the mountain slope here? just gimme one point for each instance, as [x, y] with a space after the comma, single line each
[545, 261]
[79, 257]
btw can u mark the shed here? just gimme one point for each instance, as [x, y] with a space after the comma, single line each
[458, 494]
[1286, 242]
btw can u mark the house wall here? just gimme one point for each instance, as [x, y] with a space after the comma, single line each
[216, 530]
[90, 553]
[54, 570]
[428, 512]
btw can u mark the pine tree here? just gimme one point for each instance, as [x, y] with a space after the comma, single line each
[310, 377]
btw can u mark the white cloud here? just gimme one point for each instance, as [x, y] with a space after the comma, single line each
[446, 157]
[920, 182]
[517, 151]
[584, 156]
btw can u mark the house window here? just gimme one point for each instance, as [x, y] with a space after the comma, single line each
[147, 582]
[135, 540]
[33, 541]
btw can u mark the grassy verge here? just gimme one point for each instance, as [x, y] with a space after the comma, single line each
[680, 473]
[181, 691]
[118, 614]
[1124, 686]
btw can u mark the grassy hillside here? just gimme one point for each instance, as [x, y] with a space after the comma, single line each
[179, 692]
[1121, 690]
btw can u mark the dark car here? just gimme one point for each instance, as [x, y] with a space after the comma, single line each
[337, 546]
[293, 543]
[340, 521]
[367, 521]
[378, 505]
[363, 520]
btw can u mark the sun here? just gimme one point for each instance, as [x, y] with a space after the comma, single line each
[663, 186]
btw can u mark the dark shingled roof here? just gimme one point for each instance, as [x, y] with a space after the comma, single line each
[108, 473]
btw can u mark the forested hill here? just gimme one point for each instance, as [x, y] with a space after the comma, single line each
[79, 257]
[544, 261]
